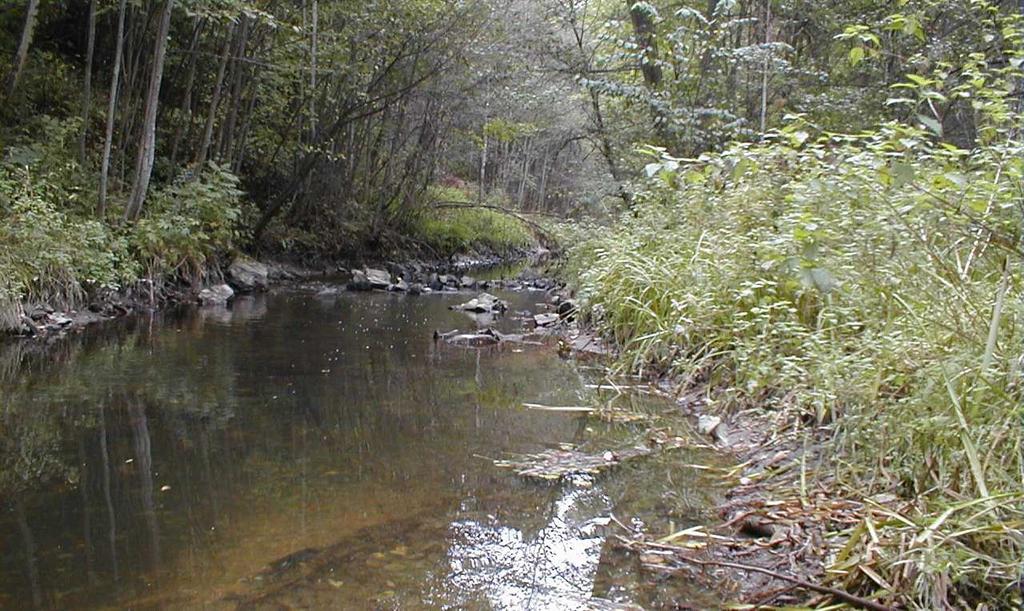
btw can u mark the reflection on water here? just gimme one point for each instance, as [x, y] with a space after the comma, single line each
[305, 448]
[549, 569]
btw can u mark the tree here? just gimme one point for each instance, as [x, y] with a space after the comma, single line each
[108, 139]
[147, 146]
[14, 74]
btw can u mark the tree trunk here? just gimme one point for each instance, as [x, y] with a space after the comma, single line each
[111, 111]
[225, 138]
[643, 30]
[184, 122]
[483, 166]
[767, 63]
[87, 86]
[147, 148]
[211, 117]
[31, 13]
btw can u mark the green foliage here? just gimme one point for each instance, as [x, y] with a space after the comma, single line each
[51, 252]
[187, 222]
[870, 282]
[55, 251]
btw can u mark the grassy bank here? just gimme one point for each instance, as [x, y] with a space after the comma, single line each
[870, 283]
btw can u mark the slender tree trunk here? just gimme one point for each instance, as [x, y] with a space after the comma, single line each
[211, 116]
[483, 165]
[226, 134]
[312, 74]
[31, 13]
[767, 63]
[111, 111]
[147, 148]
[184, 122]
[87, 85]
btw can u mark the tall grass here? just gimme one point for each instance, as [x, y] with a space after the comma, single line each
[868, 283]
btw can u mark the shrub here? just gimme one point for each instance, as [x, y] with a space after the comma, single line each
[186, 223]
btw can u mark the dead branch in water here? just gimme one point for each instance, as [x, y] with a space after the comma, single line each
[842, 595]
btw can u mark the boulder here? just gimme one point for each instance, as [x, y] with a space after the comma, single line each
[434, 282]
[467, 282]
[219, 294]
[246, 275]
[359, 281]
[416, 288]
[400, 287]
[378, 278]
[57, 321]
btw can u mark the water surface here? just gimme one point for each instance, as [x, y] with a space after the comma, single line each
[314, 449]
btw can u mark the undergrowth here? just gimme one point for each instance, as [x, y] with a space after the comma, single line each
[871, 283]
[55, 250]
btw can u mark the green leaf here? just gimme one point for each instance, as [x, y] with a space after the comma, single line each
[934, 126]
[856, 55]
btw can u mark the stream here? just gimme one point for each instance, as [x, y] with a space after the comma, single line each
[314, 448]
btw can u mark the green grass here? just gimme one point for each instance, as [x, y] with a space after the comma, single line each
[461, 230]
[849, 283]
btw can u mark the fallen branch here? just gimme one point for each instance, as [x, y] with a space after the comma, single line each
[555, 408]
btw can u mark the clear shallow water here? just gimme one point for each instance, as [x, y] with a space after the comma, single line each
[312, 449]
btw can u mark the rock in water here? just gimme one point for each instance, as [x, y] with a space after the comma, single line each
[216, 295]
[379, 279]
[566, 309]
[246, 275]
[359, 281]
[545, 320]
[467, 282]
[484, 302]
[707, 424]
[400, 286]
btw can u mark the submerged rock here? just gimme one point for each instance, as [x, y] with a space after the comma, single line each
[216, 295]
[246, 274]
[474, 340]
